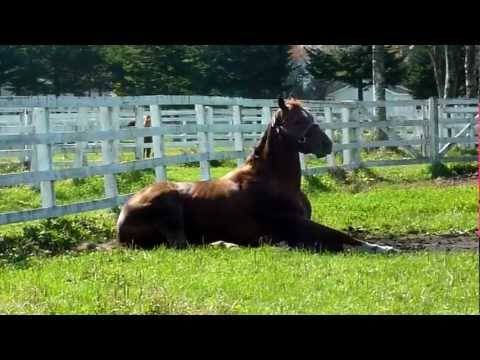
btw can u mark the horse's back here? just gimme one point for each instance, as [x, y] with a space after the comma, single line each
[151, 193]
[165, 205]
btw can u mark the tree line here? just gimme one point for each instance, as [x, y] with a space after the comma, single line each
[254, 71]
[258, 71]
[427, 70]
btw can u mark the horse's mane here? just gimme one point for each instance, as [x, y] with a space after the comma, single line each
[251, 158]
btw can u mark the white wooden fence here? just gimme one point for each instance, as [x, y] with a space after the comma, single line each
[36, 128]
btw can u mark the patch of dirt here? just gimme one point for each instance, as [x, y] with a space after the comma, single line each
[457, 180]
[417, 242]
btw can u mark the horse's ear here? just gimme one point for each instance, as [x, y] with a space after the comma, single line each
[281, 104]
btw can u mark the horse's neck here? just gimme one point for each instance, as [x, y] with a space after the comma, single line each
[278, 162]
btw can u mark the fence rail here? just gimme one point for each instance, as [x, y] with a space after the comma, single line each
[34, 130]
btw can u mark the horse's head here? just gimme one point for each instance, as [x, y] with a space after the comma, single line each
[299, 127]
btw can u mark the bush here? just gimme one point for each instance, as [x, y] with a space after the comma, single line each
[57, 235]
[452, 170]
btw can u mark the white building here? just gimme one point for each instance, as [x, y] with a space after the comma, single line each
[344, 92]
[5, 92]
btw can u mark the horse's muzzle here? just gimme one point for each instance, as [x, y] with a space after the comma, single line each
[321, 154]
[325, 151]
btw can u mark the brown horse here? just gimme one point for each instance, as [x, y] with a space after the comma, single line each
[261, 199]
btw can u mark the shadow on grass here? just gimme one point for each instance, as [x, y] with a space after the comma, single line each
[452, 170]
[351, 181]
[315, 184]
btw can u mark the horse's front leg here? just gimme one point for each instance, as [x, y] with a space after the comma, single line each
[301, 232]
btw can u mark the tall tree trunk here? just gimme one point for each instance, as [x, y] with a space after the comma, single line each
[378, 75]
[437, 60]
[360, 89]
[477, 65]
[56, 85]
[449, 71]
[470, 76]
[454, 71]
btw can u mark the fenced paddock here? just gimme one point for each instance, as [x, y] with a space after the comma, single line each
[54, 137]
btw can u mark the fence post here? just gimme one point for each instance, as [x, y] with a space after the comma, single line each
[346, 137]
[303, 163]
[266, 115]
[184, 136]
[139, 125]
[80, 148]
[25, 157]
[426, 128]
[211, 133]
[433, 133]
[44, 156]
[157, 142]
[329, 132]
[238, 135]
[202, 143]
[472, 133]
[29, 149]
[355, 137]
[105, 118]
[34, 155]
[266, 119]
[116, 126]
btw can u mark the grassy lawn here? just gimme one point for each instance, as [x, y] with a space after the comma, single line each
[246, 281]
[389, 200]
[399, 209]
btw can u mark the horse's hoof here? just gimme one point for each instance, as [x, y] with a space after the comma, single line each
[377, 249]
[387, 249]
[223, 244]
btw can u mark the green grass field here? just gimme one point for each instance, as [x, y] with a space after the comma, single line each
[246, 281]
[390, 200]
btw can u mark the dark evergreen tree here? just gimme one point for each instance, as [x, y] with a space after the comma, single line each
[258, 71]
[9, 62]
[59, 70]
[419, 77]
[353, 65]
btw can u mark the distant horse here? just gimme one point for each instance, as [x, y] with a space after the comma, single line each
[261, 199]
[147, 122]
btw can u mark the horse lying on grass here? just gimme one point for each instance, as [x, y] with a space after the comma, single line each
[260, 200]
